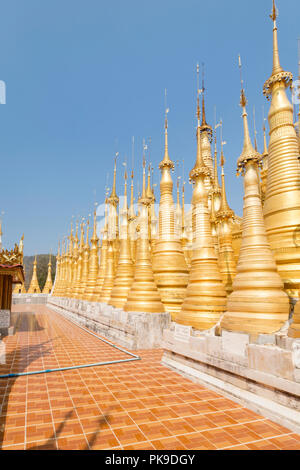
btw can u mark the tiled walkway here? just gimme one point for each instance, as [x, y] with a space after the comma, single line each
[134, 405]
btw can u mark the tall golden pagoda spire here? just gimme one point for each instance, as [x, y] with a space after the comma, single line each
[77, 281]
[132, 222]
[59, 276]
[283, 188]
[63, 269]
[103, 254]
[74, 262]
[206, 138]
[57, 279]
[69, 265]
[48, 284]
[1, 233]
[205, 296]
[89, 293]
[216, 190]
[298, 123]
[169, 266]
[113, 225]
[34, 287]
[178, 212]
[124, 273]
[85, 263]
[258, 304]
[224, 219]
[184, 238]
[108, 265]
[264, 170]
[143, 295]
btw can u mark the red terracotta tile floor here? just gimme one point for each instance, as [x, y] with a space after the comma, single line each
[134, 405]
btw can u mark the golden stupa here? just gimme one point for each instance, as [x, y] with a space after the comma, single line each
[169, 266]
[125, 271]
[205, 296]
[79, 263]
[48, 284]
[103, 255]
[224, 219]
[143, 295]
[85, 264]
[258, 303]
[91, 284]
[283, 160]
[34, 287]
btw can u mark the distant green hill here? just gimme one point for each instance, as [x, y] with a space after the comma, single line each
[42, 269]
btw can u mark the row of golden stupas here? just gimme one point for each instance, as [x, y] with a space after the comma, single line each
[34, 287]
[207, 266]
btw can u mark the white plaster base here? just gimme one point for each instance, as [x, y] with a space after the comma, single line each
[29, 298]
[133, 330]
[262, 377]
[278, 413]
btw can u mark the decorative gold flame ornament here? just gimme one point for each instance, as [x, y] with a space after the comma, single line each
[258, 303]
[205, 296]
[48, 284]
[169, 266]
[124, 273]
[143, 295]
[282, 200]
[34, 287]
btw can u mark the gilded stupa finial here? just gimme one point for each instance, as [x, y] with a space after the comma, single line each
[200, 168]
[166, 161]
[278, 74]
[198, 97]
[248, 153]
[255, 131]
[94, 236]
[87, 232]
[113, 198]
[216, 185]
[125, 190]
[143, 197]
[81, 234]
[131, 213]
[204, 126]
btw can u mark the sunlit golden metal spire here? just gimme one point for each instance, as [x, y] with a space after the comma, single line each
[48, 284]
[124, 273]
[143, 295]
[258, 304]
[85, 263]
[205, 295]
[224, 219]
[283, 175]
[76, 291]
[169, 267]
[34, 287]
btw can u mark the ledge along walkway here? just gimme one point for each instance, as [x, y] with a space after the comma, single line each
[138, 404]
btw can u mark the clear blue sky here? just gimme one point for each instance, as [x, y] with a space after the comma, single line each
[84, 76]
